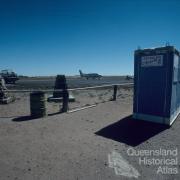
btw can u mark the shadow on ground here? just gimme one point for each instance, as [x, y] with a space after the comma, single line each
[56, 113]
[24, 118]
[28, 118]
[131, 132]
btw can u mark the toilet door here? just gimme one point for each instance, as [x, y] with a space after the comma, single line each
[151, 85]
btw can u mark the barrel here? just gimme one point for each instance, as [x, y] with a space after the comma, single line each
[38, 104]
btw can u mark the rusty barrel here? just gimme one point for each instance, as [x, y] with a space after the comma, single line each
[38, 104]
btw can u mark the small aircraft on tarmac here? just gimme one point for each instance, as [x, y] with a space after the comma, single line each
[90, 75]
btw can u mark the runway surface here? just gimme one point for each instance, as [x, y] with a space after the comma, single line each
[73, 82]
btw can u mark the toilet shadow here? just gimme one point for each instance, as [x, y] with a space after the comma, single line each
[130, 131]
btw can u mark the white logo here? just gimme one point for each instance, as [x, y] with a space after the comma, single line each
[121, 166]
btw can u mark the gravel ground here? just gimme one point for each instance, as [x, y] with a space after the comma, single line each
[76, 146]
[92, 144]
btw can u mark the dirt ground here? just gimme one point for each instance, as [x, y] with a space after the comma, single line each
[21, 107]
[92, 144]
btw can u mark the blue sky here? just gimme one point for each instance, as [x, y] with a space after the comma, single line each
[49, 37]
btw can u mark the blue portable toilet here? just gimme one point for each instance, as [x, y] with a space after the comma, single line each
[157, 84]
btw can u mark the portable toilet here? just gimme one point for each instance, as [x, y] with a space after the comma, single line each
[157, 85]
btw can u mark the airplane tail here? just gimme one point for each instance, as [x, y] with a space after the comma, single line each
[81, 73]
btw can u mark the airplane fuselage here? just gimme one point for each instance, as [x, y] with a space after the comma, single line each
[90, 75]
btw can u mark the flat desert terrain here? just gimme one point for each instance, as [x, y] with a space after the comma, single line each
[98, 143]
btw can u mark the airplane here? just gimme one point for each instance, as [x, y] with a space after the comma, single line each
[90, 75]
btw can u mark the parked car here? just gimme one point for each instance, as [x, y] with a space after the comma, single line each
[9, 76]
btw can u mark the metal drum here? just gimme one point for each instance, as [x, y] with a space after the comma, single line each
[38, 104]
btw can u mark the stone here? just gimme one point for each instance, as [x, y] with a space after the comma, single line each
[60, 86]
[4, 97]
[60, 99]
